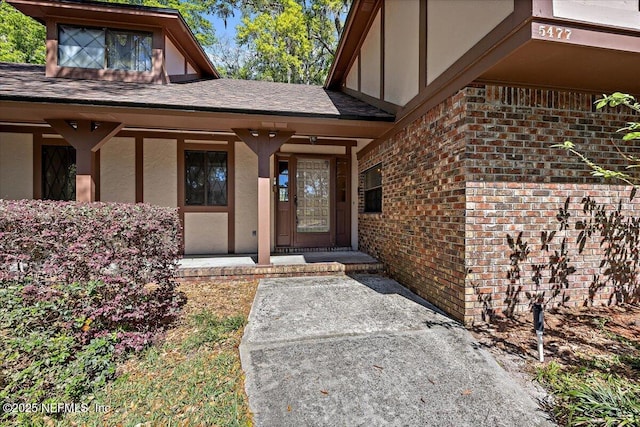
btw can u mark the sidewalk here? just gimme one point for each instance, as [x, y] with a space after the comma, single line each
[334, 351]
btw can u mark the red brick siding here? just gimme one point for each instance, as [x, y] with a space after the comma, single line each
[497, 209]
[420, 233]
[478, 167]
[517, 183]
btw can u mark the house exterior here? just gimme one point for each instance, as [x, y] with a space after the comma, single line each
[427, 146]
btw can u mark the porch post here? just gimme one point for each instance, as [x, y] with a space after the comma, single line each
[264, 143]
[86, 137]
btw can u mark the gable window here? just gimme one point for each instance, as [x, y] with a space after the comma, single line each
[58, 172]
[373, 189]
[100, 48]
[206, 176]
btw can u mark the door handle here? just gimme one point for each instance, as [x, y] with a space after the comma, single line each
[295, 200]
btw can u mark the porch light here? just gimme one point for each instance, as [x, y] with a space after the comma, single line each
[313, 139]
[272, 134]
[254, 133]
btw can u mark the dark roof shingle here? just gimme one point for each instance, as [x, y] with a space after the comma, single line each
[23, 82]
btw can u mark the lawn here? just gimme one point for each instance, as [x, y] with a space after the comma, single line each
[192, 377]
[592, 362]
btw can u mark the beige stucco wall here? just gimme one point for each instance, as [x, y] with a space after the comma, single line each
[622, 13]
[246, 194]
[174, 61]
[352, 77]
[16, 166]
[454, 27]
[118, 170]
[370, 60]
[312, 149]
[205, 233]
[401, 50]
[160, 172]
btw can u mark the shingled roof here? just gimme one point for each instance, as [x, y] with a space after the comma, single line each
[22, 82]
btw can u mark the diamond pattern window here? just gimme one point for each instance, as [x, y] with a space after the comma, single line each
[58, 172]
[206, 176]
[373, 189]
[100, 48]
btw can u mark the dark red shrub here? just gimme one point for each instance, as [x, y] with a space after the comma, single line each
[123, 255]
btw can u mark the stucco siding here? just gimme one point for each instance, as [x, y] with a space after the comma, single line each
[352, 77]
[174, 59]
[621, 13]
[370, 60]
[454, 27]
[16, 166]
[160, 172]
[118, 171]
[246, 195]
[401, 50]
[205, 233]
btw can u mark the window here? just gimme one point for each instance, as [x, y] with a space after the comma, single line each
[100, 48]
[373, 189]
[205, 181]
[58, 172]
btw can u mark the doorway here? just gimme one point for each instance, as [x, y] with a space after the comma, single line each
[312, 201]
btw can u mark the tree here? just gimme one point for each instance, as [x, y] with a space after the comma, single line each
[632, 133]
[21, 38]
[289, 41]
[193, 11]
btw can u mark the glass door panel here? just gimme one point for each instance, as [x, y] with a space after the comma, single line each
[312, 196]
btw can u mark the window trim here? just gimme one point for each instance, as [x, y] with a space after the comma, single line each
[105, 59]
[229, 148]
[365, 189]
[205, 185]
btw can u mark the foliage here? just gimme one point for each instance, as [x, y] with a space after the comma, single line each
[289, 41]
[194, 378]
[80, 285]
[193, 11]
[45, 356]
[632, 132]
[22, 39]
[588, 398]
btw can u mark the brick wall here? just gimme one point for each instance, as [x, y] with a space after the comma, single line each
[479, 168]
[515, 183]
[420, 233]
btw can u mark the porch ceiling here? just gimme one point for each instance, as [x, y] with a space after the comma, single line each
[564, 55]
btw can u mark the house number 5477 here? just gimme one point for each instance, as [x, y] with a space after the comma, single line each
[554, 32]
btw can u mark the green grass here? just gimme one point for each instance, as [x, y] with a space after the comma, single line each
[590, 396]
[193, 380]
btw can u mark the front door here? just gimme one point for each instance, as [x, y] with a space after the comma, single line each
[311, 201]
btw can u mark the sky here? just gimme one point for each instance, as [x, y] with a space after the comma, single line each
[221, 32]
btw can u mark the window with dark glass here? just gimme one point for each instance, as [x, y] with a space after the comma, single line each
[99, 48]
[58, 172]
[205, 178]
[373, 189]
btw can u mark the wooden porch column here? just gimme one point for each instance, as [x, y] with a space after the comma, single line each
[264, 143]
[86, 137]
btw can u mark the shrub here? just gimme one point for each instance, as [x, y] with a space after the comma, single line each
[80, 285]
[125, 256]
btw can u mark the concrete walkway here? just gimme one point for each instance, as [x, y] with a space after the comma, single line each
[334, 351]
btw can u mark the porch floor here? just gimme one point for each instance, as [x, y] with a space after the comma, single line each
[195, 268]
